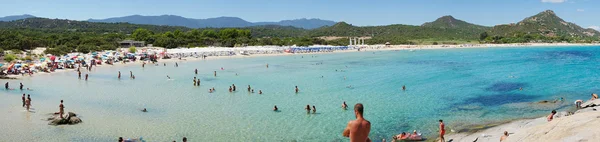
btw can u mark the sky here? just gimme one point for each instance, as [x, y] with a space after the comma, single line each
[585, 13]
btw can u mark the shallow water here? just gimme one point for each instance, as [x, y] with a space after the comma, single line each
[460, 86]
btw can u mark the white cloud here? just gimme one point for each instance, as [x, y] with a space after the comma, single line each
[597, 28]
[553, 1]
[580, 10]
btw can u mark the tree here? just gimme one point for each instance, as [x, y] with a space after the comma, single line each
[132, 49]
[141, 34]
[482, 36]
[10, 57]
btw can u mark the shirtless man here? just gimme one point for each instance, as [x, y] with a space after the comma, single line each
[551, 116]
[503, 137]
[61, 110]
[358, 130]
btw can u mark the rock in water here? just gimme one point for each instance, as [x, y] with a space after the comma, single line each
[69, 119]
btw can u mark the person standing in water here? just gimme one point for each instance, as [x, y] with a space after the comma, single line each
[215, 73]
[194, 81]
[297, 90]
[198, 82]
[176, 65]
[259, 92]
[442, 130]
[551, 116]
[196, 71]
[275, 108]
[79, 74]
[6, 85]
[267, 65]
[23, 98]
[249, 88]
[20, 85]
[403, 87]
[344, 105]
[233, 87]
[314, 110]
[86, 77]
[358, 130]
[119, 77]
[230, 89]
[27, 104]
[307, 108]
[168, 77]
[61, 109]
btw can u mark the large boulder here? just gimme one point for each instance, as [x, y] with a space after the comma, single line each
[68, 119]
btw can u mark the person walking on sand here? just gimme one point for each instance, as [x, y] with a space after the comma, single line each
[442, 130]
[503, 137]
[551, 116]
[61, 109]
[358, 130]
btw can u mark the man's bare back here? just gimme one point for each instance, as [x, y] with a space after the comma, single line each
[358, 130]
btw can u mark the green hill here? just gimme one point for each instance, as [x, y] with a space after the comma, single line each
[543, 26]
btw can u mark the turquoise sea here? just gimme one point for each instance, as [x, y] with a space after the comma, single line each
[463, 87]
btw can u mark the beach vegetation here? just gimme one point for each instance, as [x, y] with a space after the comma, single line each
[132, 49]
[10, 57]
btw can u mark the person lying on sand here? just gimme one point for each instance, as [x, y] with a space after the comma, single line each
[503, 137]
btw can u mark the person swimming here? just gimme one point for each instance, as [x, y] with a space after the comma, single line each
[210, 90]
[144, 110]
[252, 91]
[275, 108]
[344, 105]
[403, 87]
[259, 91]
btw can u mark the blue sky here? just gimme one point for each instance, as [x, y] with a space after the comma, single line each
[358, 12]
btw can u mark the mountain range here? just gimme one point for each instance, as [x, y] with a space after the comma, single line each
[218, 22]
[545, 25]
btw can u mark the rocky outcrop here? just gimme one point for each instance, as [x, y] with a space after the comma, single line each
[70, 119]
